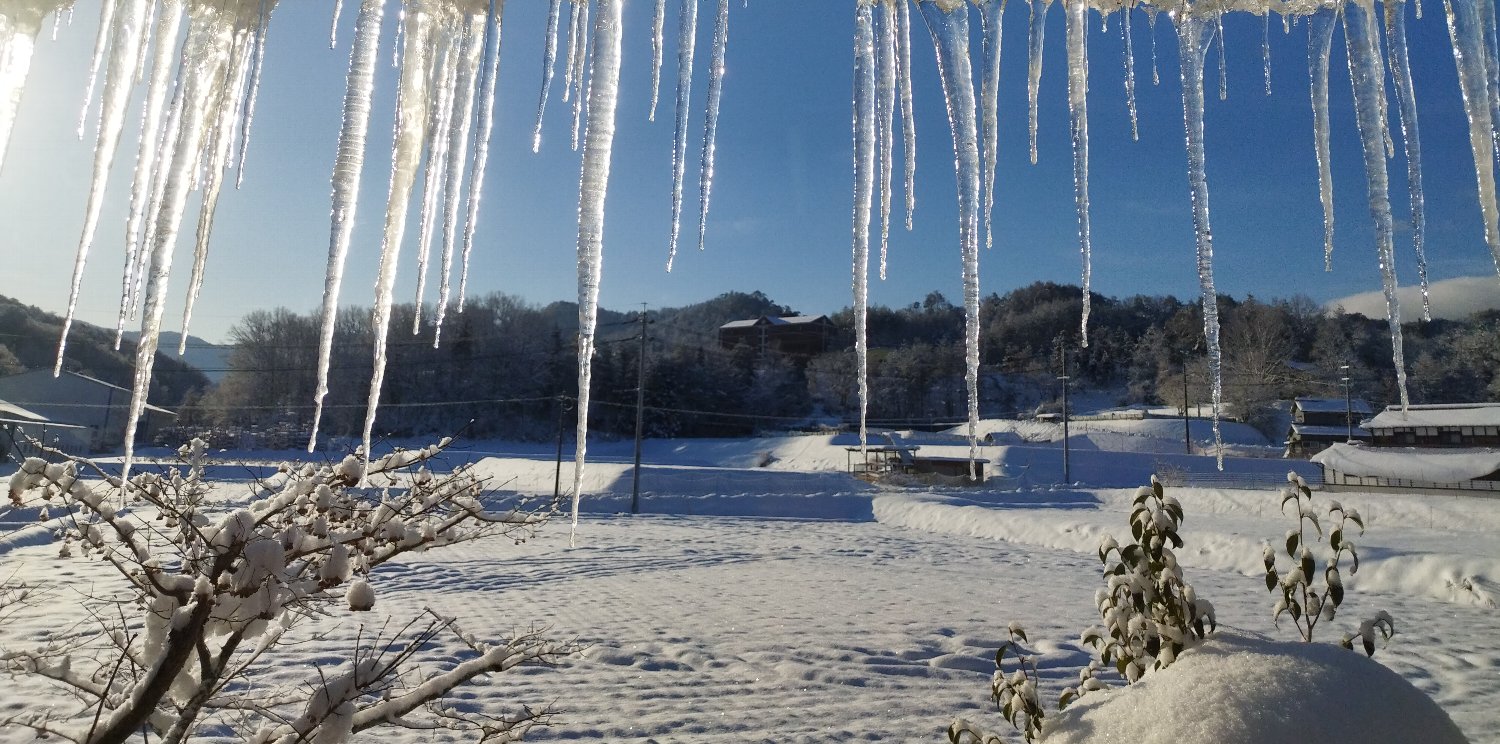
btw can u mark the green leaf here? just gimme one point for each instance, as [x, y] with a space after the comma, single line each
[1336, 538]
[1020, 633]
[1336, 593]
[1176, 541]
[1293, 539]
[1068, 696]
[1309, 566]
[1157, 489]
[1369, 645]
[1296, 610]
[1271, 581]
[1355, 556]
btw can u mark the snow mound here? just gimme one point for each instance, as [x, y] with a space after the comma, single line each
[1238, 688]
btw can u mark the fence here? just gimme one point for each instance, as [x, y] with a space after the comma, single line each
[1347, 481]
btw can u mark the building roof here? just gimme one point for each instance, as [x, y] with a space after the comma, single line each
[94, 380]
[776, 320]
[1327, 432]
[1437, 415]
[1333, 405]
[1411, 463]
[13, 412]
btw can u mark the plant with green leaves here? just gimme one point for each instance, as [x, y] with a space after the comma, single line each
[1303, 597]
[1150, 612]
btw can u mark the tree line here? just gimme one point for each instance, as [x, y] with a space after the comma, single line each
[507, 368]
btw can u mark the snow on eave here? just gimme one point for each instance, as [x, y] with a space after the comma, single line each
[1437, 415]
[1333, 405]
[1411, 463]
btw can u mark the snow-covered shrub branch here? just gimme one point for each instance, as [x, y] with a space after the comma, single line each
[209, 593]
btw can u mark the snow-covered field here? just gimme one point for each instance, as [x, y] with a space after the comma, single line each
[765, 595]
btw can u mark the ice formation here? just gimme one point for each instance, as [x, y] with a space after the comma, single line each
[200, 94]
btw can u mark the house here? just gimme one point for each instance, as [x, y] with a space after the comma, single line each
[1362, 466]
[798, 335]
[1320, 422]
[88, 414]
[1438, 425]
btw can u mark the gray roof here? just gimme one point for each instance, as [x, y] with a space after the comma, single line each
[1333, 405]
[776, 320]
[1437, 415]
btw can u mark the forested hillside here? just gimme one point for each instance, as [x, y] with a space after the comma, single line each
[28, 340]
[508, 366]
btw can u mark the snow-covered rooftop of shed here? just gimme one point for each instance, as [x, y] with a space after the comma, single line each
[1411, 463]
[776, 320]
[1440, 414]
[1307, 430]
[1333, 405]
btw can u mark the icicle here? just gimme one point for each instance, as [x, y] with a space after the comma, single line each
[1411, 137]
[1367, 78]
[1265, 48]
[486, 113]
[580, 95]
[471, 57]
[156, 193]
[885, 121]
[412, 97]
[1223, 60]
[575, 39]
[1466, 32]
[1135, 131]
[439, 119]
[658, 33]
[686, 41]
[1151, 24]
[950, 35]
[1078, 107]
[549, 63]
[249, 115]
[18, 31]
[908, 110]
[146, 43]
[1193, 37]
[1319, 46]
[1486, 11]
[865, 112]
[593, 185]
[107, 10]
[333, 32]
[1035, 42]
[218, 152]
[205, 54]
[711, 120]
[119, 75]
[991, 18]
[348, 166]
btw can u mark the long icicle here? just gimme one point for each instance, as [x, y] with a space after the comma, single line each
[1078, 107]
[1036, 40]
[1125, 32]
[486, 114]
[1411, 138]
[1265, 48]
[950, 36]
[1466, 32]
[406, 154]
[119, 76]
[333, 29]
[460, 130]
[1367, 78]
[18, 31]
[1193, 37]
[248, 119]
[348, 166]
[593, 185]
[885, 120]
[864, 119]
[991, 17]
[711, 119]
[1319, 45]
[205, 53]
[434, 175]
[580, 66]
[908, 108]
[549, 65]
[658, 44]
[686, 41]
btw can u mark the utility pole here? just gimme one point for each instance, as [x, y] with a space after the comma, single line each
[1187, 434]
[562, 409]
[640, 411]
[1348, 403]
[1064, 378]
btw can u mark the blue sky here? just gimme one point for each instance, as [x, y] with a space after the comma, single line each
[780, 220]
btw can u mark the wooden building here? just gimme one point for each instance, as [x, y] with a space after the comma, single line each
[796, 335]
[1437, 425]
[1320, 422]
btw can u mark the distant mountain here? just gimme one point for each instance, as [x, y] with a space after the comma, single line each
[209, 358]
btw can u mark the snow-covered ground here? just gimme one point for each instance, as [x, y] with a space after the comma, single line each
[765, 595]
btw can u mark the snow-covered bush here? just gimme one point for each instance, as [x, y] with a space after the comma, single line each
[1301, 595]
[208, 595]
[1150, 614]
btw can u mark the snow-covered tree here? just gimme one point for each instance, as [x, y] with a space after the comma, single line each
[208, 594]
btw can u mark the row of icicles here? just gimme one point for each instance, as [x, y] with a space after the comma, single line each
[199, 104]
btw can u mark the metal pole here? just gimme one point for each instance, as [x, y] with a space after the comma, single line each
[1349, 404]
[640, 409]
[562, 408]
[1187, 434]
[1064, 378]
